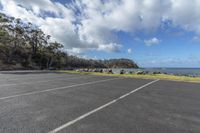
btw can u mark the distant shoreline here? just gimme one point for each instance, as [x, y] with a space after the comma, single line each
[191, 72]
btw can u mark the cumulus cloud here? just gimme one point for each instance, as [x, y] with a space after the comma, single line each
[184, 14]
[110, 47]
[93, 24]
[152, 41]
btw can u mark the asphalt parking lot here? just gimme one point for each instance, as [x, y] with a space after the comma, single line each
[45, 102]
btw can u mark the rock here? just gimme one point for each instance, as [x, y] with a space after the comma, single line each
[130, 72]
[77, 70]
[140, 72]
[100, 70]
[110, 71]
[86, 70]
[94, 70]
[157, 73]
[105, 70]
[82, 70]
[90, 70]
[122, 72]
[146, 72]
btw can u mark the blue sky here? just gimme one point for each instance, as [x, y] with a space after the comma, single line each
[153, 33]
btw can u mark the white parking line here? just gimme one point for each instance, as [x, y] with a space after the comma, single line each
[14, 77]
[58, 88]
[99, 108]
[33, 82]
[4, 77]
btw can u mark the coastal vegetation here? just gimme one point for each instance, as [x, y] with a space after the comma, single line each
[161, 76]
[24, 46]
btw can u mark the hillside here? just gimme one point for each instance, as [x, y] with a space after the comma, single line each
[24, 46]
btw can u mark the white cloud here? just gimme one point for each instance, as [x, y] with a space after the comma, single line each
[152, 41]
[61, 24]
[93, 24]
[129, 50]
[110, 47]
[171, 62]
[196, 39]
[184, 14]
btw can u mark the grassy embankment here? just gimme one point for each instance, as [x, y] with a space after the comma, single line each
[147, 76]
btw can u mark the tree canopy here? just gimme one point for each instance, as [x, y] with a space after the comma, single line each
[25, 46]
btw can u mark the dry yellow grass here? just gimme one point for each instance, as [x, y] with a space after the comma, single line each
[147, 76]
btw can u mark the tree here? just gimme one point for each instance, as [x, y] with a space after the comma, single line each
[24, 44]
[53, 53]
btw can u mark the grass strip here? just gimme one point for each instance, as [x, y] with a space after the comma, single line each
[146, 76]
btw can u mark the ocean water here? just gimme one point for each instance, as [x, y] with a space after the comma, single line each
[175, 71]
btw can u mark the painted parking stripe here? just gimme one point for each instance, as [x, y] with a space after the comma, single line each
[33, 82]
[99, 108]
[58, 88]
[31, 77]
